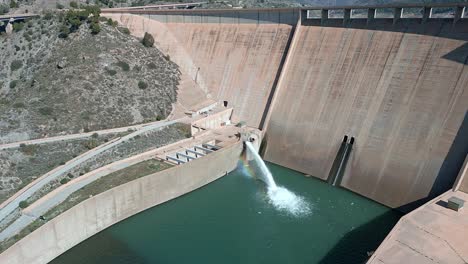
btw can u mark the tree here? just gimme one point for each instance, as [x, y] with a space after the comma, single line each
[23, 204]
[142, 85]
[95, 28]
[73, 4]
[4, 9]
[148, 40]
[13, 4]
[64, 31]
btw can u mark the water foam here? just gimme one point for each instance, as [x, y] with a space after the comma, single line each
[281, 198]
[286, 201]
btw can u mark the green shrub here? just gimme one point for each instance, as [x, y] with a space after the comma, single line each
[23, 204]
[95, 28]
[13, 4]
[123, 65]
[111, 22]
[64, 180]
[19, 105]
[148, 40]
[16, 64]
[95, 135]
[13, 84]
[28, 149]
[124, 30]
[59, 6]
[142, 85]
[18, 26]
[64, 31]
[90, 144]
[73, 4]
[48, 16]
[45, 110]
[4, 9]
[111, 72]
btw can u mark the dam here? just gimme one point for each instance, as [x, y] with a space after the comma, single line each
[376, 104]
[397, 85]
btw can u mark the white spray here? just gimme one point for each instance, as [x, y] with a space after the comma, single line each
[280, 197]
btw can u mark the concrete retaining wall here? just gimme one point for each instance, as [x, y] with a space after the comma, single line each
[110, 207]
[400, 90]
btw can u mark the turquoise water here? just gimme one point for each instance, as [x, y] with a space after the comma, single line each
[232, 221]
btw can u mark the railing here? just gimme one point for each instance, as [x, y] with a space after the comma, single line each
[456, 11]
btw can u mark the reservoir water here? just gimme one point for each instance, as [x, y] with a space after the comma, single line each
[232, 221]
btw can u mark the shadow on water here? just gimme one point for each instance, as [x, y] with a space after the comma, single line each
[111, 250]
[353, 248]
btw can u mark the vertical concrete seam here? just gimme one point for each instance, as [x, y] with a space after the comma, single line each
[283, 68]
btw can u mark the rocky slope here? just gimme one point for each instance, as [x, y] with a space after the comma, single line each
[51, 86]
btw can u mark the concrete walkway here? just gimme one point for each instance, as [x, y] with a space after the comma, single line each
[76, 136]
[11, 204]
[428, 235]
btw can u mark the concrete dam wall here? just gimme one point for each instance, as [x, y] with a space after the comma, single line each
[237, 63]
[401, 91]
[105, 209]
[398, 86]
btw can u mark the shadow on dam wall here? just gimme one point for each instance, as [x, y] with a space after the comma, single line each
[401, 89]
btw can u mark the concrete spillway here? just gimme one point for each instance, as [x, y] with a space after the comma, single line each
[399, 86]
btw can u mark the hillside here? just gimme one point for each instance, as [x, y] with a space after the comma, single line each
[50, 85]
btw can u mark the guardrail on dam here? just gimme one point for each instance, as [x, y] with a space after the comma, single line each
[397, 84]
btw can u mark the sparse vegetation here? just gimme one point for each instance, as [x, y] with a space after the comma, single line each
[43, 100]
[75, 18]
[45, 110]
[28, 149]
